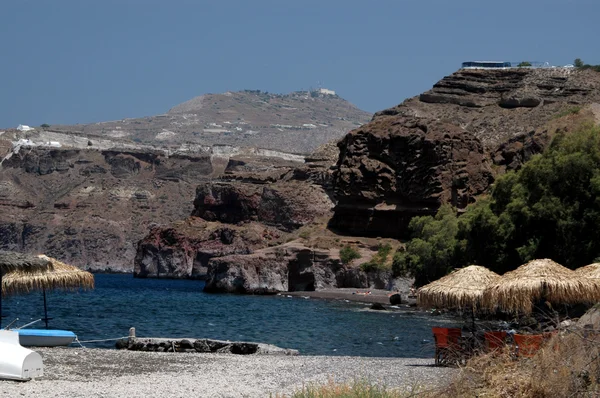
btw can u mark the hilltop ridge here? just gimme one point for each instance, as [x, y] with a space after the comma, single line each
[298, 122]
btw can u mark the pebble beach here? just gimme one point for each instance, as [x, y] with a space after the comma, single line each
[86, 372]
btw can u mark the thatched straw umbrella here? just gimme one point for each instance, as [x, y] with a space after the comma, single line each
[463, 288]
[591, 271]
[517, 291]
[25, 263]
[62, 276]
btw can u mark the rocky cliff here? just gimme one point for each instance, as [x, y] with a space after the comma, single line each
[288, 267]
[88, 193]
[284, 205]
[255, 204]
[184, 248]
[90, 207]
[243, 235]
[446, 145]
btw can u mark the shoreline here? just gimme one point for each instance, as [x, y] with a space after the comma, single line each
[92, 372]
[376, 296]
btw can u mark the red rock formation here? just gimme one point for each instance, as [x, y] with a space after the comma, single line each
[439, 147]
[285, 205]
[394, 168]
[184, 248]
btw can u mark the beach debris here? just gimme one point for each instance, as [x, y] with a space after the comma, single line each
[395, 299]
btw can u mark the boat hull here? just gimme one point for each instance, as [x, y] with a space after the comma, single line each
[45, 337]
[17, 362]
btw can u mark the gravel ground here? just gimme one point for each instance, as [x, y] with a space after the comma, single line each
[85, 372]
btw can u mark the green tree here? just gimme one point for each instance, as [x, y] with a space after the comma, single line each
[348, 253]
[45, 125]
[432, 251]
[379, 260]
[523, 64]
[578, 63]
[550, 208]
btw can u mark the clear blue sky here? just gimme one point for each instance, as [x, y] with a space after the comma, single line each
[78, 61]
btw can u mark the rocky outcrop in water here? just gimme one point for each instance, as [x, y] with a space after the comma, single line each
[289, 267]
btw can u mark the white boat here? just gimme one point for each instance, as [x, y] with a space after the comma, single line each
[45, 337]
[17, 362]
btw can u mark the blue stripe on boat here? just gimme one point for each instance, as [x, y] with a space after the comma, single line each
[46, 333]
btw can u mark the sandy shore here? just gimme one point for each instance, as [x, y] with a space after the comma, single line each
[84, 372]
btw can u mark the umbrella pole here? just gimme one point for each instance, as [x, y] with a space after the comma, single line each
[45, 309]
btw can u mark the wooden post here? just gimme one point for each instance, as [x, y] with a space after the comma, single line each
[131, 334]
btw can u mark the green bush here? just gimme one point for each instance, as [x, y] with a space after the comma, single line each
[524, 64]
[578, 63]
[431, 252]
[570, 111]
[304, 234]
[45, 125]
[348, 254]
[379, 261]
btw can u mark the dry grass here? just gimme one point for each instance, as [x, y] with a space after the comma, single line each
[355, 389]
[567, 366]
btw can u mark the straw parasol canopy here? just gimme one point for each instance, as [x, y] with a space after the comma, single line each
[589, 271]
[61, 276]
[518, 290]
[460, 289]
[24, 263]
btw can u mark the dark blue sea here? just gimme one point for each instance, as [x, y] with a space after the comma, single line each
[179, 308]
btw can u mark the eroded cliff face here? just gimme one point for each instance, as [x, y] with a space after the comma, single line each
[288, 267]
[255, 204]
[184, 248]
[286, 205]
[90, 207]
[446, 145]
[393, 169]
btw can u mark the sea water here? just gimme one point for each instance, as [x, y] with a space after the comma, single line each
[179, 308]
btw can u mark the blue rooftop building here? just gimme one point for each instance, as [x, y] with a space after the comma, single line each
[486, 64]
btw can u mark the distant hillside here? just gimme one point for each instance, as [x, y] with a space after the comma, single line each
[298, 122]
